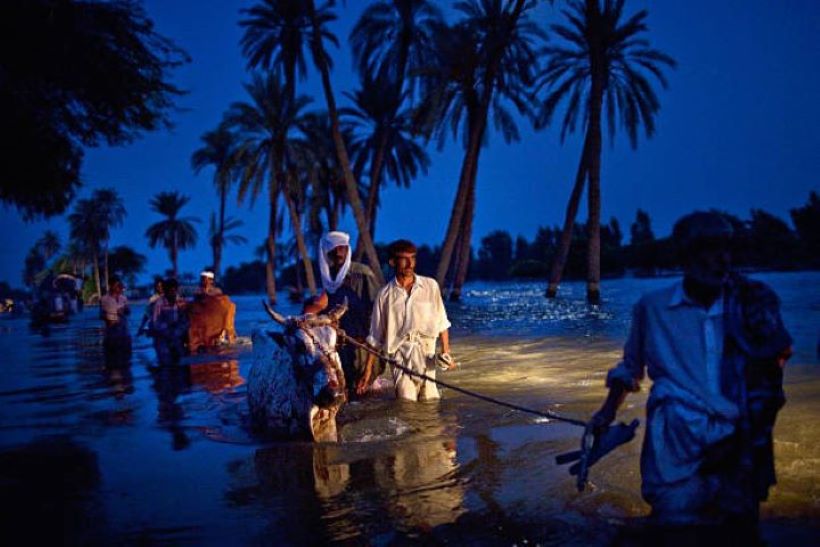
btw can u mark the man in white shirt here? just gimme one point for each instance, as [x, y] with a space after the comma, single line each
[714, 346]
[408, 317]
[114, 311]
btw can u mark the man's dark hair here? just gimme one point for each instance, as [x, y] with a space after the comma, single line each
[401, 246]
[701, 228]
[170, 283]
[113, 280]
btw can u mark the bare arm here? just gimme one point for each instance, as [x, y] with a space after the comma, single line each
[364, 381]
[614, 400]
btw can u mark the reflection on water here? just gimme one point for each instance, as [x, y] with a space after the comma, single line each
[164, 455]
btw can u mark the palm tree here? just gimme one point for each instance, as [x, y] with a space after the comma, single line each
[219, 234]
[275, 35]
[321, 167]
[85, 230]
[267, 129]
[603, 69]
[48, 245]
[175, 233]
[110, 212]
[218, 150]
[383, 140]
[488, 57]
[319, 19]
[392, 39]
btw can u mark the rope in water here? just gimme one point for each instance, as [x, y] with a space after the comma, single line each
[542, 413]
[344, 337]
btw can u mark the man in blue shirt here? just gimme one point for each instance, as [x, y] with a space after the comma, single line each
[714, 346]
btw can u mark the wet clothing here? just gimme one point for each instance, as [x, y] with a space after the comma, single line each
[169, 328]
[116, 338]
[359, 288]
[694, 462]
[113, 308]
[148, 314]
[212, 290]
[406, 326]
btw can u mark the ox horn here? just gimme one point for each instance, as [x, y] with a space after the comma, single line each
[337, 312]
[278, 317]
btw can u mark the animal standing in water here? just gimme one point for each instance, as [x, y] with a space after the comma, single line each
[211, 316]
[296, 386]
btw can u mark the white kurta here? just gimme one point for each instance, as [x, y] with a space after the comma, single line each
[111, 307]
[406, 326]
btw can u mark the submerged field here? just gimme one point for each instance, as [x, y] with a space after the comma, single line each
[142, 454]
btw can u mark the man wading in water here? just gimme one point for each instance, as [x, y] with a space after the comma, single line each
[714, 346]
[343, 280]
[408, 318]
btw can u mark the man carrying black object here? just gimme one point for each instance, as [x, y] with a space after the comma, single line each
[343, 280]
[714, 346]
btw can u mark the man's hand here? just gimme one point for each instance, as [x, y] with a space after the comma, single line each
[363, 384]
[601, 419]
[445, 361]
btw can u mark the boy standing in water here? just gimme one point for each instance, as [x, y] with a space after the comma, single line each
[714, 346]
[169, 324]
[408, 317]
[114, 311]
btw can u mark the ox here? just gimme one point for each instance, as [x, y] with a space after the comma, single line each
[211, 321]
[296, 385]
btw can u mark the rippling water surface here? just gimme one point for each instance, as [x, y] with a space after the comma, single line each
[90, 454]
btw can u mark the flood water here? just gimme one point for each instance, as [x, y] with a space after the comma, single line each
[147, 455]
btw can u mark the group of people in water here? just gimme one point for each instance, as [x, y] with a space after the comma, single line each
[713, 343]
[167, 319]
[403, 320]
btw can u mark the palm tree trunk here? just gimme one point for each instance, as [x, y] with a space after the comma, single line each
[466, 240]
[596, 98]
[373, 191]
[174, 255]
[296, 224]
[105, 265]
[341, 151]
[459, 204]
[594, 206]
[560, 259]
[223, 197]
[270, 242]
[97, 275]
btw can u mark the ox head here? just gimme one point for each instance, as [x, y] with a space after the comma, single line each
[311, 340]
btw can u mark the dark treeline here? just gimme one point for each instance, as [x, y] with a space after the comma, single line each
[763, 241]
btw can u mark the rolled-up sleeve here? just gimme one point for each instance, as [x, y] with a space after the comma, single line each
[630, 371]
[377, 323]
[441, 312]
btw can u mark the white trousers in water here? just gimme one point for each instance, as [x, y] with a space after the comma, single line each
[411, 354]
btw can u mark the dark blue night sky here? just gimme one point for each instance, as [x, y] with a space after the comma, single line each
[737, 130]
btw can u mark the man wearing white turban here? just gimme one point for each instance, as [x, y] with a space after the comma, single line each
[343, 279]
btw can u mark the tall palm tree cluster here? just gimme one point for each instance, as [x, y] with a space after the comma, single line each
[421, 77]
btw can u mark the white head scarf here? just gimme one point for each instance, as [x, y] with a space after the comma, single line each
[330, 241]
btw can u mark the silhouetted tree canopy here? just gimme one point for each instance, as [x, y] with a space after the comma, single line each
[75, 74]
[127, 263]
[806, 221]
